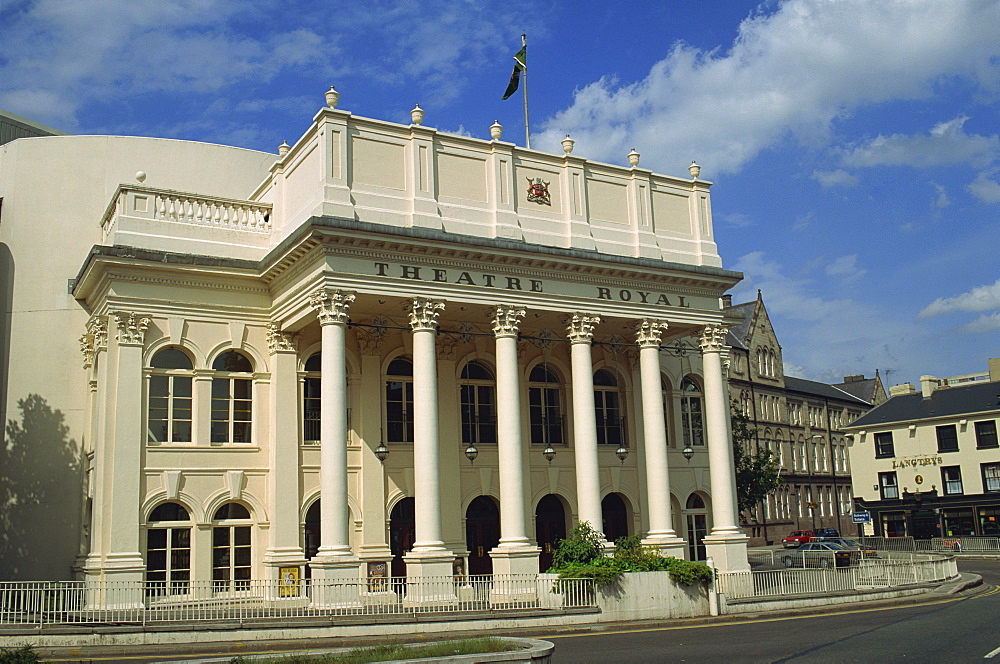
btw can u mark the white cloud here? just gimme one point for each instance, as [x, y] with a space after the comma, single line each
[945, 143]
[980, 298]
[941, 196]
[984, 188]
[794, 70]
[837, 178]
[824, 338]
[846, 267]
[734, 219]
[59, 57]
[987, 323]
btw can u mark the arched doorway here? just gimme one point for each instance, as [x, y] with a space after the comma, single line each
[616, 517]
[310, 535]
[550, 527]
[697, 526]
[402, 534]
[482, 533]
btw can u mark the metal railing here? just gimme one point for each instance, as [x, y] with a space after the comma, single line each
[956, 544]
[117, 603]
[898, 570]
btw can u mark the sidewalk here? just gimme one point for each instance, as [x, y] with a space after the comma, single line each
[289, 642]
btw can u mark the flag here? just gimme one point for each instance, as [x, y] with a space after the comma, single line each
[520, 64]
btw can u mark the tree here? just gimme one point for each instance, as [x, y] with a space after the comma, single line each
[756, 469]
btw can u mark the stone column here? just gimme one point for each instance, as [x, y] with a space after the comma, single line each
[588, 481]
[333, 560]
[514, 554]
[661, 532]
[429, 557]
[726, 545]
[284, 493]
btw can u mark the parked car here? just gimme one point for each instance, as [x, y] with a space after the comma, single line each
[827, 532]
[821, 554]
[865, 551]
[798, 538]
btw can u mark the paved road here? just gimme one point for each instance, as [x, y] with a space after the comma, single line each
[960, 628]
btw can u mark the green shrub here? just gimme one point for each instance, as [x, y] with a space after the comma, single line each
[580, 556]
[24, 655]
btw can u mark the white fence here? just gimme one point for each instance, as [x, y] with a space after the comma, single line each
[94, 602]
[898, 570]
[957, 544]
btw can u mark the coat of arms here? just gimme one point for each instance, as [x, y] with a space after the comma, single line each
[538, 191]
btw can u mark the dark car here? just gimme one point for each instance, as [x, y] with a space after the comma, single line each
[851, 545]
[821, 554]
[827, 532]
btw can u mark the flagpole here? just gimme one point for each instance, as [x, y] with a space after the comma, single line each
[527, 131]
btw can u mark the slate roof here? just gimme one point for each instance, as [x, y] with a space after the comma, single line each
[738, 334]
[862, 389]
[943, 402]
[818, 389]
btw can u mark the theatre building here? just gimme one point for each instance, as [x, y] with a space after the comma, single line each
[385, 350]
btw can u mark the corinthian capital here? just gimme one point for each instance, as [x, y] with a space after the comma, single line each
[331, 306]
[424, 314]
[507, 319]
[94, 340]
[580, 327]
[131, 328]
[713, 339]
[649, 332]
[278, 341]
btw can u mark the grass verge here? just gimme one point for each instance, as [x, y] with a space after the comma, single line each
[391, 651]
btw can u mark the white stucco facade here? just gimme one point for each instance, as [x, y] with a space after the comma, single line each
[257, 330]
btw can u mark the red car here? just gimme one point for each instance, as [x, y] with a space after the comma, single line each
[798, 538]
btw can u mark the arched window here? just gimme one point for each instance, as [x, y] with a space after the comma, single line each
[745, 404]
[232, 398]
[608, 409]
[544, 406]
[231, 548]
[311, 399]
[478, 395]
[691, 419]
[399, 401]
[168, 550]
[169, 413]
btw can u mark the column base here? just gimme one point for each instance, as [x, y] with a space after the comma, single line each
[336, 582]
[284, 575]
[114, 581]
[515, 574]
[429, 578]
[729, 552]
[668, 547]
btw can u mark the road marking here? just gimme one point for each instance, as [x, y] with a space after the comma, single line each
[992, 654]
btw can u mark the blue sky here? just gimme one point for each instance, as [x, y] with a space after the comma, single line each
[853, 143]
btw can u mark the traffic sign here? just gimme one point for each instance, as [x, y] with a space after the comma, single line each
[861, 517]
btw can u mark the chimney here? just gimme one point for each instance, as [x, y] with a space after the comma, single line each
[927, 385]
[727, 301]
[900, 390]
[994, 369]
[854, 379]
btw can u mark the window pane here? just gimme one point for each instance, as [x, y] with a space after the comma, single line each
[156, 538]
[170, 358]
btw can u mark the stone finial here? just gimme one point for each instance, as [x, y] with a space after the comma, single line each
[633, 158]
[283, 148]
[332, 97]
[496, 130]
[140, 176]
[567, 144]
[417, 115]
[694, 169]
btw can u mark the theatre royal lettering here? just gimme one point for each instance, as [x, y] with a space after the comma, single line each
[503, 282]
